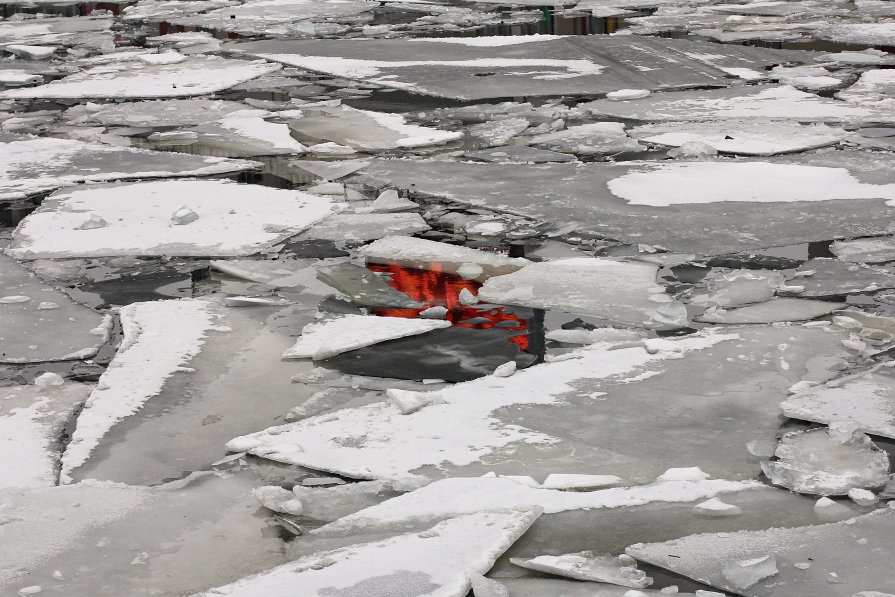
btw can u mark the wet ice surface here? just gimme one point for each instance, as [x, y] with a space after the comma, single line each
[420, 299]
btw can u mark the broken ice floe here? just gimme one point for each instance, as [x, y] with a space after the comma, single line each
[143, 363]
[573, 412]
[33, 166]
[142, 219]
[828, 461]
[437, 561]
[39, 323]
[866, 398]
[360, 227]
[865, 250]
[842, 558]
[621, 570]
[771, 311]
[32, 419]
[190, 77]
[624, 292]
[831, 278]
[350, 332]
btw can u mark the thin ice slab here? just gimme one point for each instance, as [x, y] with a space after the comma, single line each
[568, 414]
[836, 560]
[759, 102]
[530, 586]
[620, 291]
[865, 250]
[868, 399]
[33, 166]
[193, 76]
[160, 338]
[174, 218]
[772, 311]
[744, 137]
[366, 227]
[826, 278]
[434, 563]
[495, 67]
[32, 419]
[350, 332]
[39, 323]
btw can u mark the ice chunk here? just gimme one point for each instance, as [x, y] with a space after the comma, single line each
[233, 220]
[621, 291]
[364, 227]
[628, 94]
[485, 587]
[365, 287]
[409, 401]
[197, 75]
[862, 497]
[865, 398]
[350, 332]
[742, 574]
[772, 311]
[742, 137]
[621, 570]
[715, 508]
[865, 250]
[693, 150]
[859, 33]
[441, 559]
[584, 336]
[830, 548]
[820, 463]
[496, 133]
[828, 510]
[736, 288]
[420, 253]
[388, 201]
[31, 52]
[367, 131]
[691, 473]
[32, 418]
[578, 482]
[833, 278]
[589, 139]
[159, 339]
[30, 332]
[34, 166]
[335, 502]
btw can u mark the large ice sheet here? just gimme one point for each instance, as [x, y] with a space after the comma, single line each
[350, 332]
[867, 398]
[620, 291]
[760, 101]
[160, 339]
[39, 323]
[32, 420]
[742, 137]
[842, 558]
[578, 196]
[188, 217]
[564, 65]
[191, 77]
[177, 112]
[434, 563]
[569, 414]
[276, 17]
[34, 166]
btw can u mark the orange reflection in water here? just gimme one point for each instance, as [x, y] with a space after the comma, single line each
[436, 288]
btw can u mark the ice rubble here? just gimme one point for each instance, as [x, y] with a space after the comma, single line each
[438, 561]
[620, 291]
[32, 166]
[39, 323]
[423, 254]
[588, 139]
[561, 413]
[138, 219]
[191, 77]
[844, 557]
[828, 461]
[864, 398]
[350, 332]
[143, 362]
[31, 422]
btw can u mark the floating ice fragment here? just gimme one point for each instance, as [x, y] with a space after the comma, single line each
[505, 370]
[13, 299]
[715, 508]
[485, 587]
[578, 482]
[743, 574]
[693, 149]
[621, 570]
[184, 215]
[48, 379]
[628, 94]
[409, 401]
[693, 473]
[828, 510]
[436, 312]
[862, 497]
